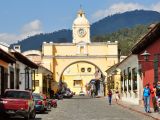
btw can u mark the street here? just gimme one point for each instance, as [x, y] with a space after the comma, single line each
[85, 108]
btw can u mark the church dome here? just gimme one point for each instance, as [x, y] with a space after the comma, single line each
[81, 19]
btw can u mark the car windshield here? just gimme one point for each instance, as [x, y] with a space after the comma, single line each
[37, 96]
[17, 95]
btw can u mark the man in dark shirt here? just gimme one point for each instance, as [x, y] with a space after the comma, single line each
[158, 89]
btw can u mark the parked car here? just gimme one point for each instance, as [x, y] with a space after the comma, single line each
[68, 93]
[39, 103]
[17, 103]
[81, 93]
[45, 101]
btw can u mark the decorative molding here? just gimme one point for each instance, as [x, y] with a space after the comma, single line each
[81, 57]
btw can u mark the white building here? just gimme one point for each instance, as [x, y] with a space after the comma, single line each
[131, 82]
[19, 74]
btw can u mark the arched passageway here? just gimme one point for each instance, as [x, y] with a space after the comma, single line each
[78, 74]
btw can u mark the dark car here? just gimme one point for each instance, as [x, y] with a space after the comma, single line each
[39, 102]
[68, 93]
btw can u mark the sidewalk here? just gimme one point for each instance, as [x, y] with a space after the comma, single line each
[139, 109]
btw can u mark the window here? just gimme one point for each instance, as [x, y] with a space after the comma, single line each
[81, 49]
[89, 69]
[125, 80]
[77, 83]
[134, 77]
[17, 78]
[82, 69]
[36, 83]
[122, 83]
[129, 78]
[17, 95]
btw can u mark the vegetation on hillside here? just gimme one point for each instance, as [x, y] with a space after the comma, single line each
[103, 30]
[126, 37]
[128, 19]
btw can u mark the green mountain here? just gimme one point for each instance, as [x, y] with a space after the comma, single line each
[125, 20]
[105, 26]
[126, 37]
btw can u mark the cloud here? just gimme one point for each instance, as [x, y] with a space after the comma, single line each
[156, 7]
[29, 29]
[123, 7]
[32, 27]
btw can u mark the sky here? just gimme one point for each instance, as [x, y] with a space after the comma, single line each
[22, 18]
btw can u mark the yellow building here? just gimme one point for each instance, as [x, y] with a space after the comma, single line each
[43, 76]
[78, 75]
[114, 78]
[67, 60]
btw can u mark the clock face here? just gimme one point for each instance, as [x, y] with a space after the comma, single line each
[81, 32]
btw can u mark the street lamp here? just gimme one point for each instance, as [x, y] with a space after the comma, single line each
[155, 63]
[146, 55]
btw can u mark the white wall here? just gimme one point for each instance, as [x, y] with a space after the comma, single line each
[132, 62]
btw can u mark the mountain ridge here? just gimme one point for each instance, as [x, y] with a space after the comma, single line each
[104, 26]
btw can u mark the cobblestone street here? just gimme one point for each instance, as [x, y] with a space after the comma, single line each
[84, 108]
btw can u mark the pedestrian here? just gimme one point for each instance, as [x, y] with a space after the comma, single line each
[110, 96]
[158, 89]
[153, 95]
[146, 98]
[117, 95]
[88, 89]
[93, 90]
[158, 95]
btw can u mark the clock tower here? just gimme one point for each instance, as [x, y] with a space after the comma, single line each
[81, 28]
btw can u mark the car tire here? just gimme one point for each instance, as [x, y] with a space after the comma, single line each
[55, 106]
[49, 106]
[7, 117]
[33, 114]
[27, 117]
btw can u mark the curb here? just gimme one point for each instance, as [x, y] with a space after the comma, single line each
[146, 114]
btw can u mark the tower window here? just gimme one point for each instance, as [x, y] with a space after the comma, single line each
[89, 69]
[82, 69]
[82, 49]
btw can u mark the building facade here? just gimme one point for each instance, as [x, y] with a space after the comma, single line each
[148, 53]
[131, 83]
[60, 57]
[15, 69]
[43, 76]
[5, 61]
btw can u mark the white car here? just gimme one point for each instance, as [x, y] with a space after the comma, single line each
[81, 93]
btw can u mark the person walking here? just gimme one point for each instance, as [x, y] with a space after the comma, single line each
[110, 96]
[153, 95]
[158, 89]
[158, 95]
[93, 90]
[117, 95]
[146, 98]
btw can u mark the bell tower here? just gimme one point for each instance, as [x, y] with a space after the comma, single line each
[81, 28]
